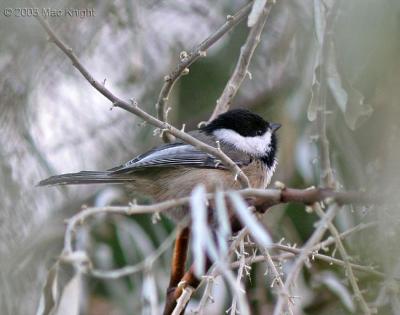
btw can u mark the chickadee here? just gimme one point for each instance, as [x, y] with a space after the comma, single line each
[173, 170]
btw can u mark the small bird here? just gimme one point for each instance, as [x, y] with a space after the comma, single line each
[172, 170]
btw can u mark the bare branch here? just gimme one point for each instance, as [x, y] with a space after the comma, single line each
[293, 252]
[145, 264]
[183, 300]
[242, 65]
[284, 292]
[206, 295]
[261, 199]
[241, 269]
[349, 271]
[327, 178]
[314, 252]
[304, 253]
[134, 109]
[186, 60]
[331, 240]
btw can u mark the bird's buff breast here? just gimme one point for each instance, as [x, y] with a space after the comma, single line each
[171, 183]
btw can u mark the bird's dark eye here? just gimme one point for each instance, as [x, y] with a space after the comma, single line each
[259, 133]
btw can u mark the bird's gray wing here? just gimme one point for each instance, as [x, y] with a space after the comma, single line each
[181, 154]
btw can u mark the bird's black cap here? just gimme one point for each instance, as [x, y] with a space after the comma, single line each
[244, 122]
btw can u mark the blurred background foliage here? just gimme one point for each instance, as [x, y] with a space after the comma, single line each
[52, 122]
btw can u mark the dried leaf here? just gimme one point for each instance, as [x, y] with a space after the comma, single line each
[69, 302]
[150, 294]
[356, 112]
[49, 297]
[313, 105]
[256, 10]
[334, 80]
[350, 102]
[336, 286]
[200, 229]
[224, 227]
[319, 21]
[248, 219]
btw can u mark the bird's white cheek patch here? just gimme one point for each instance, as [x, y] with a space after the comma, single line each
[257, 146]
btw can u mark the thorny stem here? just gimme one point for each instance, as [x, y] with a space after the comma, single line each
[347, 264]
[304, 253]
[314, 252]
[327, 178]
[242, 65]
[206, 296]
[187, 60]
[293, 252]
[277, 277]
[242, 266]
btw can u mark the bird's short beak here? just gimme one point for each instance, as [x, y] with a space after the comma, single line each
[275, 126]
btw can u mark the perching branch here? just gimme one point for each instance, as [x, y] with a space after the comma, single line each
[187, 59]
[242, 65]
[262, 199]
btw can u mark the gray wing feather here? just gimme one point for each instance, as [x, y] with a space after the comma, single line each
[170, 156]
[182, 154]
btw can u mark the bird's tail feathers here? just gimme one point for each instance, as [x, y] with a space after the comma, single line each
[86, 177]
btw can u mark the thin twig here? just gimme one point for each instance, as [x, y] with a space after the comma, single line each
[277, 278]
[206, 296]
[331, 240]
[186, 60]
[349, 271]
[221, 266]
[327, 178]
[304, 253]
[329, 259]
[314, 252]
[242, 65]
[147, 263]
[241, 269]
[183, 300]
[134, 109]
[214, 271]
[294, 252]
[83, 215]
